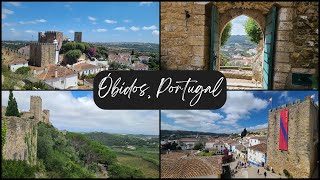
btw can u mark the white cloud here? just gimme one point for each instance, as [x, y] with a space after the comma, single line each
[153, 27]
[30, 31]
[259, 126]
[99, 30]
[239, 106]
[238, 25]
[109, 21]
[68, 6]
[33, 22]
[8, 24]
[16, 4]
[165, 126]
[82, 115]
[134, 28]
[41, 20]
[127, 21]
[92, 18]
[5, 13]
[12, 30]
[71, 31]
[145, 3]
[155, 32]
[120, 28]
[192, 118]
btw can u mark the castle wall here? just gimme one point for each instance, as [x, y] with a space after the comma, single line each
[42, 54]
[21, 139]
[300, 158]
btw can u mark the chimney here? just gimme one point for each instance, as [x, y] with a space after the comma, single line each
[56, 73]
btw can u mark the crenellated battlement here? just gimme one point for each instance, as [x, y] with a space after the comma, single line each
[292, 103]
[38, 44]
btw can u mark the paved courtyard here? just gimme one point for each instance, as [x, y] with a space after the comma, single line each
[251, 172]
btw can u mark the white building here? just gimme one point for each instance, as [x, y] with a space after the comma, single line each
[187, 143]
[17, 63]
[85, 68]
[216, 145]
[59, 77]
[144, 58]
[257, 154]
[257, 140]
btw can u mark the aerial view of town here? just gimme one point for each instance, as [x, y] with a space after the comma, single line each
[49, 51]
[41, 140]
[254, 135]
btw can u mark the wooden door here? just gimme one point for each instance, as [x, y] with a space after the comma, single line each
[269, 44]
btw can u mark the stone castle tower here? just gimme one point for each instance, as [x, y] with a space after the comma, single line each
[303, 127]
[21, 135]
[49, 36]
[78, 36]
[44, 52]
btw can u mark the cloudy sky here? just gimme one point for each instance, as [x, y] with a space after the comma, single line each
[99, 21]
[243, 109]
[238, 25]
[76, 111]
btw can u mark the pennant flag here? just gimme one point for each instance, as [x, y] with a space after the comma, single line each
[283, 138]
[312, 96]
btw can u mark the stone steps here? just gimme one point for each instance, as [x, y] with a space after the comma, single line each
[242, 84]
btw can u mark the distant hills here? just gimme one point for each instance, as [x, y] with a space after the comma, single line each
[179, 133]
[240, 39]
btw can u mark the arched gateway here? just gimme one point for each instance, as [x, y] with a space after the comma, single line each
[191, 34]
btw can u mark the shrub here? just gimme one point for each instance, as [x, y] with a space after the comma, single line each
[23, 70]
[72, 56]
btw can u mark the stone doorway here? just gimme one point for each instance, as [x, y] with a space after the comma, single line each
[186, 38]
[259, 75]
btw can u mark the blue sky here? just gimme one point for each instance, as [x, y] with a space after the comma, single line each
[243, 109]
[99, 21]
[76, 111]
[238, 25]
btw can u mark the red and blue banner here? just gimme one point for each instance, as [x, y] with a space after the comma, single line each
[283, 138]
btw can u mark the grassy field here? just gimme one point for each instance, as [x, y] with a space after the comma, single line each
[150, 170]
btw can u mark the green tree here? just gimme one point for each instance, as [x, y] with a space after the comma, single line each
[12, 109]
[253, 30]
[226, 34]
[72, 56]
[132, 52]
[244, 133]
[3, 131]
[23, 70]
[198, 146]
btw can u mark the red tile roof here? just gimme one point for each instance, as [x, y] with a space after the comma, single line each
[18, 61]
[50, 72]
[259, 147]
[84, 66]
[191, 166]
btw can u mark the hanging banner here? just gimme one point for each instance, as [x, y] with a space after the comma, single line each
[283, 138]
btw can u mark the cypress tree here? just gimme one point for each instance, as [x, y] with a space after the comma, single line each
[12, 109]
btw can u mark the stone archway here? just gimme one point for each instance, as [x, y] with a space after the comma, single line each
[185, 40]
[246, 77]
[221, 14]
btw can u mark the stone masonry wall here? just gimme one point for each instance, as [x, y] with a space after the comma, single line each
[182, 39]
[42, 54]
[299, 160]
[296, 43]
[21, 139]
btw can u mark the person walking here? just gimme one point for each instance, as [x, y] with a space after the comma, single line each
[265, 174]
[258, 171]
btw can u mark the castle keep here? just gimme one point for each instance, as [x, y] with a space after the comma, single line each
[21, 135]
[50, 36]
[42, 54]
[300, 158]
[78, 36]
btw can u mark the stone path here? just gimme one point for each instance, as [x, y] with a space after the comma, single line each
[242, 84]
